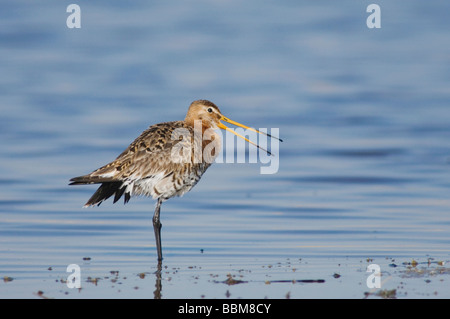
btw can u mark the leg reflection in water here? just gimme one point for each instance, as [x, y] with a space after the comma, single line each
[158, 284]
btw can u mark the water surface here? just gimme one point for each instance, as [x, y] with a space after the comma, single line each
[363, 173]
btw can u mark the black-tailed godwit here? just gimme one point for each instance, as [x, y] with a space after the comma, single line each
[166, 160]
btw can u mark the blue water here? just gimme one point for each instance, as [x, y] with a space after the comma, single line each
[364, 170]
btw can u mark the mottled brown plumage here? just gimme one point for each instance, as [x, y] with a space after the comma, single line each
[149, 165]
[146, 166]
[166, 160]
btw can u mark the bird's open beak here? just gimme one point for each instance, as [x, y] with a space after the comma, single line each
[222, 126]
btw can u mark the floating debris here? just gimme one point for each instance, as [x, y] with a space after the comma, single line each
[231, 281]
[40, 294]
[141, 275]
[7, 279]
[305, 281]
[416, 272]
[387, 294]
[93, 280]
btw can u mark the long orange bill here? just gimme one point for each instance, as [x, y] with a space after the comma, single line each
[222, 126]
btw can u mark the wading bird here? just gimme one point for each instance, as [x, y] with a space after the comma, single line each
[166, 160]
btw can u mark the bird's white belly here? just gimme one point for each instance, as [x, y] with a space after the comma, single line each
[159, 186]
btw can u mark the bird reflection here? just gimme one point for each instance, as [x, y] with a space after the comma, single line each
[158, 282]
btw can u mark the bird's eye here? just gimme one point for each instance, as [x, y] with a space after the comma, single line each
[210, 110]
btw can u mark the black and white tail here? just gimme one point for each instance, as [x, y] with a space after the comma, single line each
[105, 191]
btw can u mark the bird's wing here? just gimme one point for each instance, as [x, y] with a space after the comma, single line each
[162, 148]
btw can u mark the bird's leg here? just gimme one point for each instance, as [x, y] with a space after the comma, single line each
[157, 228]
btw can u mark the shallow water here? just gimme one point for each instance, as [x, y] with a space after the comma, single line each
[363, 174]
